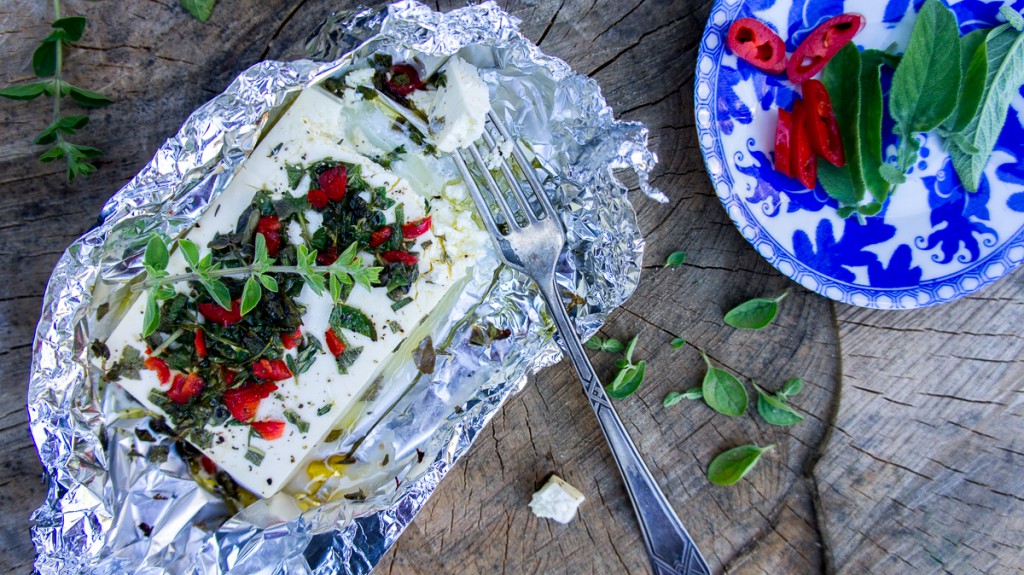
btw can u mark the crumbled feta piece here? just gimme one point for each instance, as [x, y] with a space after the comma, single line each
[556, 500]
[356, 78]
[501, 150]
[459, 108]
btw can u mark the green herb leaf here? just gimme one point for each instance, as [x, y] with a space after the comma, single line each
[73, 27]
[774, 410]
[348, 317]
[675, 397]
[295, 174]
[842, 79]
[610, 345]
[269, 282]
[677, 343]
[218, 291]
[754, 314]
[974, 67]
[926, 84]
[23, 92]
[630, 347]
[296, 420]
[200, 9]
[65, 125]
[151, 318]
[675, 259]
[730, 466]
[251, 295]
[191, 253]
[156, 255]
[89, 99]
[723, 392]
[631, 378]
[44, 59]
[872, 110]
[1005, 52]
[1012, 16]
[792, 387]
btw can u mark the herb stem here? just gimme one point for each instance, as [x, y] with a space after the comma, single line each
[167, 342]
[57, 92]
[241, 271]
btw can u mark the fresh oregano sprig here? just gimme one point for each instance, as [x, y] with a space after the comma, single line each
[47, 64]
[200, 9]
[348, 269]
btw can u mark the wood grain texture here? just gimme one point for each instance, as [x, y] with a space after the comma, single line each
[910, 458]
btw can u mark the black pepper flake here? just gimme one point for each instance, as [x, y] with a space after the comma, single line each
[146, 529]
[270, 481]
[419, 456]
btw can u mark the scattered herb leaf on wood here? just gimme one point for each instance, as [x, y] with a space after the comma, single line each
[677, 343]
[730, 466]
[48, 64]
[774, 409]
[675, 259]
[754, 314]
[200, 9]
[675, 397]
[610, 345]
[722, 391]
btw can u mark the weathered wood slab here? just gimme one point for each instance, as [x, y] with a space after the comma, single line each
[911, 456]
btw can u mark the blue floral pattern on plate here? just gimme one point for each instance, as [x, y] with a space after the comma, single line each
[933, 242]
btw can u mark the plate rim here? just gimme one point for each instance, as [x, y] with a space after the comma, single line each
[927, 293]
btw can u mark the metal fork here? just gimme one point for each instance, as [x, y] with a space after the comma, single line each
[532, 244]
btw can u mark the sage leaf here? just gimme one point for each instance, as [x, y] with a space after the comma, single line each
[156, 254]
[872, 110]
[842, 77]
[730, 466]
[1005, 53]
[677, 343]
[792, 387]
[23, 92]
[348, 317]
[1012, 16]
[774, 410]
[974, 66]
[756, 313]
[722, 391]
[926, 84]
[630, 381]
[675, 259]
[200, 9]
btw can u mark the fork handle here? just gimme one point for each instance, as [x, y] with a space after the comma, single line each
[669, 546]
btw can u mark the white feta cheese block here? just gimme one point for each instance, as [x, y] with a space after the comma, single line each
[307, 132]
[557, 500]
[457, 111]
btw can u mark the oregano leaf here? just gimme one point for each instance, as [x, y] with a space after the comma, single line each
[73, 27]
[723, 392]
[677, 343]
[191, 253]
[156, 254]
[792, 387]
[151, 318]
[675, 259]
[775, 410]
[251, 295]
[44, 59]
[23, 92]
[732, 465]
[269, 282]
[756, 313]
[89, 99]
[634, 376]
[200, 9]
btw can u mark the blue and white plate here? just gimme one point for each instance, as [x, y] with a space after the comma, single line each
[933, 242]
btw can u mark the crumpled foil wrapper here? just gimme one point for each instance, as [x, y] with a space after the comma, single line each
[112, 509]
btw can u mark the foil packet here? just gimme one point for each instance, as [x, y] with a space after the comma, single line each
[118, 503]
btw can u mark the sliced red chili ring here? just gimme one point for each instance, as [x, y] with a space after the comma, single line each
[804, 168]
[270, 228]
[200, 342]
[821, 45]
[403, 79]
[757, 44]
[399, 256]
[334, 182]
[271, 369]
[380, 236]
[334, 343]
[821, 123]
[269, 429]
[415, 229]
[783, 135]
[163, 371]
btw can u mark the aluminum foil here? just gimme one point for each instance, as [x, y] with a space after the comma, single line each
[112, 509]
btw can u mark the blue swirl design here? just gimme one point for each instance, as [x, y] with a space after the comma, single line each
[975, 238]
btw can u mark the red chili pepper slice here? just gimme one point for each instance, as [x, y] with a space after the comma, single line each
[185, 388]
[783, 135]
[218, 315]
[403, 79]
[334, 343]
[271, 369]
[821, 123]
[317, 199]
[759, 45]
[292, 340]
[334, 182]
[200, 343]
[163, 371]
[821, 45]
[270, 227]
[269, 429]
[208, 465]
[399, 256]
[381, 235]
[242, 402]
[228, 375]
[417, 228]
[328, 257]
[803, 166]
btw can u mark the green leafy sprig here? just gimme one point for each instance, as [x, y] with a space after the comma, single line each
[47, 64]
[200, 9]
[630, 374]
[347, 270]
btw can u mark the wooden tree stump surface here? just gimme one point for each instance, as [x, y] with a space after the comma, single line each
[912, 452]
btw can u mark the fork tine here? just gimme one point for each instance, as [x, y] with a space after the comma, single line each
[482, 204]
[513, 181]
[492, 186]
[520, 157]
